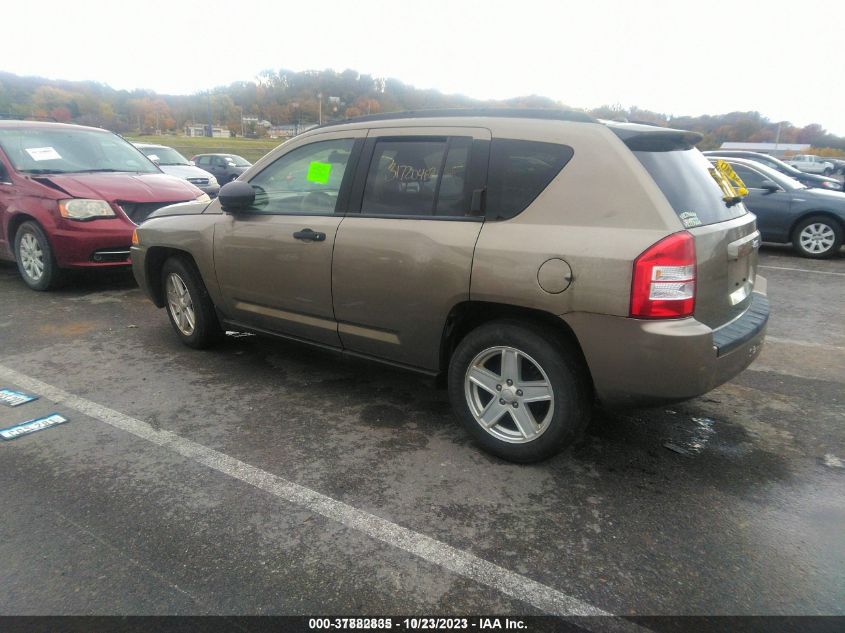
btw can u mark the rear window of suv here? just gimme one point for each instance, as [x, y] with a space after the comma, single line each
[684, 177]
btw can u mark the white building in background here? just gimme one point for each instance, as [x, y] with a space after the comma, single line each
[198, 129]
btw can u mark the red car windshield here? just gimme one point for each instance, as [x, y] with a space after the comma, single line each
[42, 150]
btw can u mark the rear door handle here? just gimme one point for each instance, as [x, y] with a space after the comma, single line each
[309, 236]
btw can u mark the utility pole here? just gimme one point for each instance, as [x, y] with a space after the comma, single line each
[777, 138]
[210, 125]
[320, 97]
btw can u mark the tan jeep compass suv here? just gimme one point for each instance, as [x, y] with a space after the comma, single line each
[538, 260]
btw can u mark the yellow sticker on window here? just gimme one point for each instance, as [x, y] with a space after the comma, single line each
[319, 172]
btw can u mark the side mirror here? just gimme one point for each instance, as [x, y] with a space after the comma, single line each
[192, 163]
[769, 187]
[236, 196]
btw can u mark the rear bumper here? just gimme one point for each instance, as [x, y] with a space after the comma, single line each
[640, 363]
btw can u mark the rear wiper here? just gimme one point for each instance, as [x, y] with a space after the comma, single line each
[733, 201]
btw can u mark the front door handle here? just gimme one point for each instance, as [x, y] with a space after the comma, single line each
[309, 236]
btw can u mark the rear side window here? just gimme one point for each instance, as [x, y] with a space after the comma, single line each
[685, 178]
[519, 171]
[418, 176]
[403, 177]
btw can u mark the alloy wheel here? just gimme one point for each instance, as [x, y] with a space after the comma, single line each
[509, 394]
[817, 238]
[32, 256]
[180, 304]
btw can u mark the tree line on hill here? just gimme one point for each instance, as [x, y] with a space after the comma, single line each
[286, 97]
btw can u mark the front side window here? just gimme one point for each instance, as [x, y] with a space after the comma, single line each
[304, 181]
[519, 172]
[751, 178]
[61, 150]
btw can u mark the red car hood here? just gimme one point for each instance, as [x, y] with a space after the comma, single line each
[124, 186]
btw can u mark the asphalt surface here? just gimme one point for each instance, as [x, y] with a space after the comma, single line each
[99, 518]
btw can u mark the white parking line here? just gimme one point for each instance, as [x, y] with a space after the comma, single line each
[538, 595]
[789, 341]
[803, 270]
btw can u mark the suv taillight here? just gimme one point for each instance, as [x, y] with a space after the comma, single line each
[663, 286]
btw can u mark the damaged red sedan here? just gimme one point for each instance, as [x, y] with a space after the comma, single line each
[71, 196]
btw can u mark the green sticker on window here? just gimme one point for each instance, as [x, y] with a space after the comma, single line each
[319, 172]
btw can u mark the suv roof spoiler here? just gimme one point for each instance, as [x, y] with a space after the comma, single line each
[514, 113]
[652, 138]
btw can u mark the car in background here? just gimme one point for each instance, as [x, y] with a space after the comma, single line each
[811, 164]
[224, 167]
[838, 164]
[70, 197]
[172, 162]
[363, 236]
[810, 180]
[787, 211]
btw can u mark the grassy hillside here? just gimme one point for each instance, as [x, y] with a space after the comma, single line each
[251, 149]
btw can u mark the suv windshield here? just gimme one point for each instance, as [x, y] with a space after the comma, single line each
[774, 163]
[685, 178]
[46, 150]
[239, 162]
[164, 155]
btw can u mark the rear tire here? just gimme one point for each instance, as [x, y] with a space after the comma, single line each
[34, 257]
[544, 407]
[817, 237]
[189, 308]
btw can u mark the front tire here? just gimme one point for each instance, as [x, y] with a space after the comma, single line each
[188, 305]
[520, 391]
[35, 259]
[817, 237]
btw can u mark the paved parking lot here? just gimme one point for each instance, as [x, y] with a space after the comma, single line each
[266, 477]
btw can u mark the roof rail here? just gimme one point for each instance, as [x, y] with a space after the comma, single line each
[513, 113]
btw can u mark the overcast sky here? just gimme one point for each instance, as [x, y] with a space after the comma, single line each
[784, 59]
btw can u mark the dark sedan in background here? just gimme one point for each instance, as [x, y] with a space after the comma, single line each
[787, 211]
[225, 167]
[813, 181]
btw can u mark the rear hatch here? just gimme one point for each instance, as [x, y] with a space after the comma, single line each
[726, 236]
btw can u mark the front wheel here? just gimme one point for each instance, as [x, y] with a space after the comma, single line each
[34, 257]
[520, 392]
[189, 307]
[817, 237]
